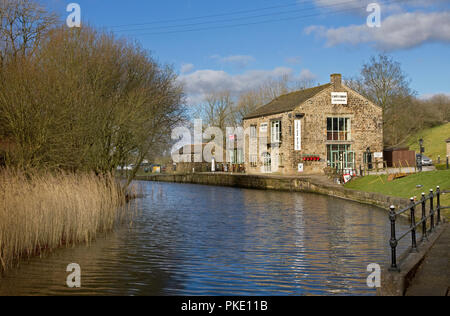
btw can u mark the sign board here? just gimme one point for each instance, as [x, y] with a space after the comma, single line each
[378, 155]
[300, 167]
[263, 128]
[339, 98]
[347, 177]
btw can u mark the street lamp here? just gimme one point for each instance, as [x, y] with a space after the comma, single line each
[419, 156]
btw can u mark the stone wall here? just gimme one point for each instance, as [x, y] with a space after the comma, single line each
[282, 183]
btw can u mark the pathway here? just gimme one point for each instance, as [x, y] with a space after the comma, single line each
[433, 275]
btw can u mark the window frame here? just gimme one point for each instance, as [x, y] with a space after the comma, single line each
[340, 128]
[275, 131]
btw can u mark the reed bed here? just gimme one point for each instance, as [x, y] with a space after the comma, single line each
[48, 210]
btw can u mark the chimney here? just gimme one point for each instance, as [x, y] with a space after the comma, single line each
[336, 81]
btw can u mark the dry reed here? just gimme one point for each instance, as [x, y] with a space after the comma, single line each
[47, 210]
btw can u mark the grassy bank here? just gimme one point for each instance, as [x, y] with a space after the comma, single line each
[47, 211]
[406, 187]
[434, 141]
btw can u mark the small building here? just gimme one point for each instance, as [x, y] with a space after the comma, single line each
[400, 157]
[227, 160]
[308, 131]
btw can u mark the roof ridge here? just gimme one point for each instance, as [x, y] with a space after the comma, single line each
[273, 108]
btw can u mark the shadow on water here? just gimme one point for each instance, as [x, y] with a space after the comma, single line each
[203, 240]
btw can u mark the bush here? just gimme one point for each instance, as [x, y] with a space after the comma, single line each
[441, 167]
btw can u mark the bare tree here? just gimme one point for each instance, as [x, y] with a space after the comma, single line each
[87, 101]
[23, 25]
[217, 109]
[383, 81]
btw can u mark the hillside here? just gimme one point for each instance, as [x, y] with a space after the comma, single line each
[434, 141]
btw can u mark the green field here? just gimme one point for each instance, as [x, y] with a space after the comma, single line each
[434, 141]
[406, 187]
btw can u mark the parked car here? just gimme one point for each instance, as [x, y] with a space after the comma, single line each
[426, 161]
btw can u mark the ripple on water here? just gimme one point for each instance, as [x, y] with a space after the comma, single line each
[200, 240]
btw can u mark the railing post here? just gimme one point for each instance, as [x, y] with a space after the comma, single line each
[424, 218]
[431, 210]
[438, 207]
[413, 226]
[393, 242]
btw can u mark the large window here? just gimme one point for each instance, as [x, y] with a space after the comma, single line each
[253, 131]
[340, 156]
[253, 160]
[275, 131]
[338, 128]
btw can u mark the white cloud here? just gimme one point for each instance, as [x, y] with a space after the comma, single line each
[400, 31]
[185, 68]
[306, 75]
[240, 61]
[202, 82]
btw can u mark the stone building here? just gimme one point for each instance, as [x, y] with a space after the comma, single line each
[309, 130]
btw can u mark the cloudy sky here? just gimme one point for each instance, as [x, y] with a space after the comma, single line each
[238, 44]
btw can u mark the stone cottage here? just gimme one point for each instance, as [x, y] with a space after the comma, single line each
[305, 132]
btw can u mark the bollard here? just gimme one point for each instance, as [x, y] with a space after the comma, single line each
[438, 206]
[413, 227]
[393, 242]
[431, 211]
[424, 220]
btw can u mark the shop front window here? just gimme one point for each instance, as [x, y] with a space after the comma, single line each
[340, 157]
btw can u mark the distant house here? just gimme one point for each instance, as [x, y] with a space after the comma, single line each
[190, 162]
[309, 130]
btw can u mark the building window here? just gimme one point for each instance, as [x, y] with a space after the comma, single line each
[340, 156]
[253, 161]
[338, 128]
[275, 132]
[263, 128]
[298, 135]
[253, 131]
[267, 162]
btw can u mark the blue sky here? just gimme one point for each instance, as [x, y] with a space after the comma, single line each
[310, 38]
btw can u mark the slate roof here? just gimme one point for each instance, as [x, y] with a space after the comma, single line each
[287, 102]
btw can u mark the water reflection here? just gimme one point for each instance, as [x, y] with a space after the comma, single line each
[201, 240]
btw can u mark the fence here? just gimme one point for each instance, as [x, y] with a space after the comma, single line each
[426, 230]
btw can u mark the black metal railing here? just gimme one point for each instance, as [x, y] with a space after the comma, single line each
[434, 214]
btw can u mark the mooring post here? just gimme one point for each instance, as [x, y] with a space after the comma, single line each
[413, 226]
[431, 210]
[438, 206]
[393, 242]
[424, 218]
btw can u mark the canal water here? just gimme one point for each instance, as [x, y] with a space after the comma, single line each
[204, 240]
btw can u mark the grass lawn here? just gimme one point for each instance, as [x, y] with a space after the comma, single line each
[434, 141]
[406, 187]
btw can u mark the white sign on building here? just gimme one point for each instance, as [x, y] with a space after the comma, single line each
[263, 128]
[300, 167]
[378, 155]
[339, 98]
